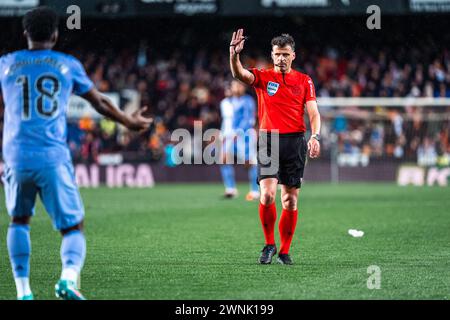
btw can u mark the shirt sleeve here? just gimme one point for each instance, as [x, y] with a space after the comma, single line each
[310, 94]
[257, 73]
[81, 81]
[226, 109]
[1, 72]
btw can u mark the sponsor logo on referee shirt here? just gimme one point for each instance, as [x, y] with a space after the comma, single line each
[272, 88]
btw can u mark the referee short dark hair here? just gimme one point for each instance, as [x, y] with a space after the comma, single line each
[284, 40]
[40, 23]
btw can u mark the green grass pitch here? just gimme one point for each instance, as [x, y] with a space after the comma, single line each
[185, 242]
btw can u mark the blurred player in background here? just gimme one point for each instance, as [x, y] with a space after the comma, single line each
[238, 122]
[283, 96]
[36, 84]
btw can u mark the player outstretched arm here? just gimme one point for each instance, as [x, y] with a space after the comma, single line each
[237, 70]
[103, 105]
[314, 120]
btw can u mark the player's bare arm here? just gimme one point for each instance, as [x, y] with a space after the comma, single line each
[236, 47]
[314, 120]
[103, 105]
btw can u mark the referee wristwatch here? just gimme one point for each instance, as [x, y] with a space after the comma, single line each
[316, 136]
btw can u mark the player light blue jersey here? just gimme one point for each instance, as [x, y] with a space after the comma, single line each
[237, 113]
[227, 112]
[244, 112]
[36, 86]
[238, 116]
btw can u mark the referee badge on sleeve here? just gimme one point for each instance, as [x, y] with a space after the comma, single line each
[272, 88]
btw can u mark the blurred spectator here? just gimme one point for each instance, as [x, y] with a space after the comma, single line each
[185, 85]
[90, 147]
[426, 153]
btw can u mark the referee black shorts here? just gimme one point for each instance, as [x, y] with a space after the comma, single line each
[282, 156]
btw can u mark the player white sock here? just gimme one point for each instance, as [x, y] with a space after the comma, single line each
[69, 274]
[23, 287]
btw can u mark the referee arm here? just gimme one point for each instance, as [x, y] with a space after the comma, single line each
[237, 70]
[314, 120]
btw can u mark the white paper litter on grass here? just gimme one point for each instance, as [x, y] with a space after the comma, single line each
[355, 233]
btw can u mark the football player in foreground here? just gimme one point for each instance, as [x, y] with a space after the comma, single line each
[36, 84]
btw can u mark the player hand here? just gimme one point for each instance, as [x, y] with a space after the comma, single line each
[314, 148]
[237, 42]
[138, 121]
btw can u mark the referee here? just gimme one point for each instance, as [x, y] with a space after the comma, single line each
[283, 95]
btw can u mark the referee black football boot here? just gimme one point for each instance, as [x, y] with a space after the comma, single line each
[284, 258]
[267, 253]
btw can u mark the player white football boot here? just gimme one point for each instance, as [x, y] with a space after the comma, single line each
[230, 193]
[252, 196]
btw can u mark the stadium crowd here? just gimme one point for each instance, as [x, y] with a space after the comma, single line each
[181, 89]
